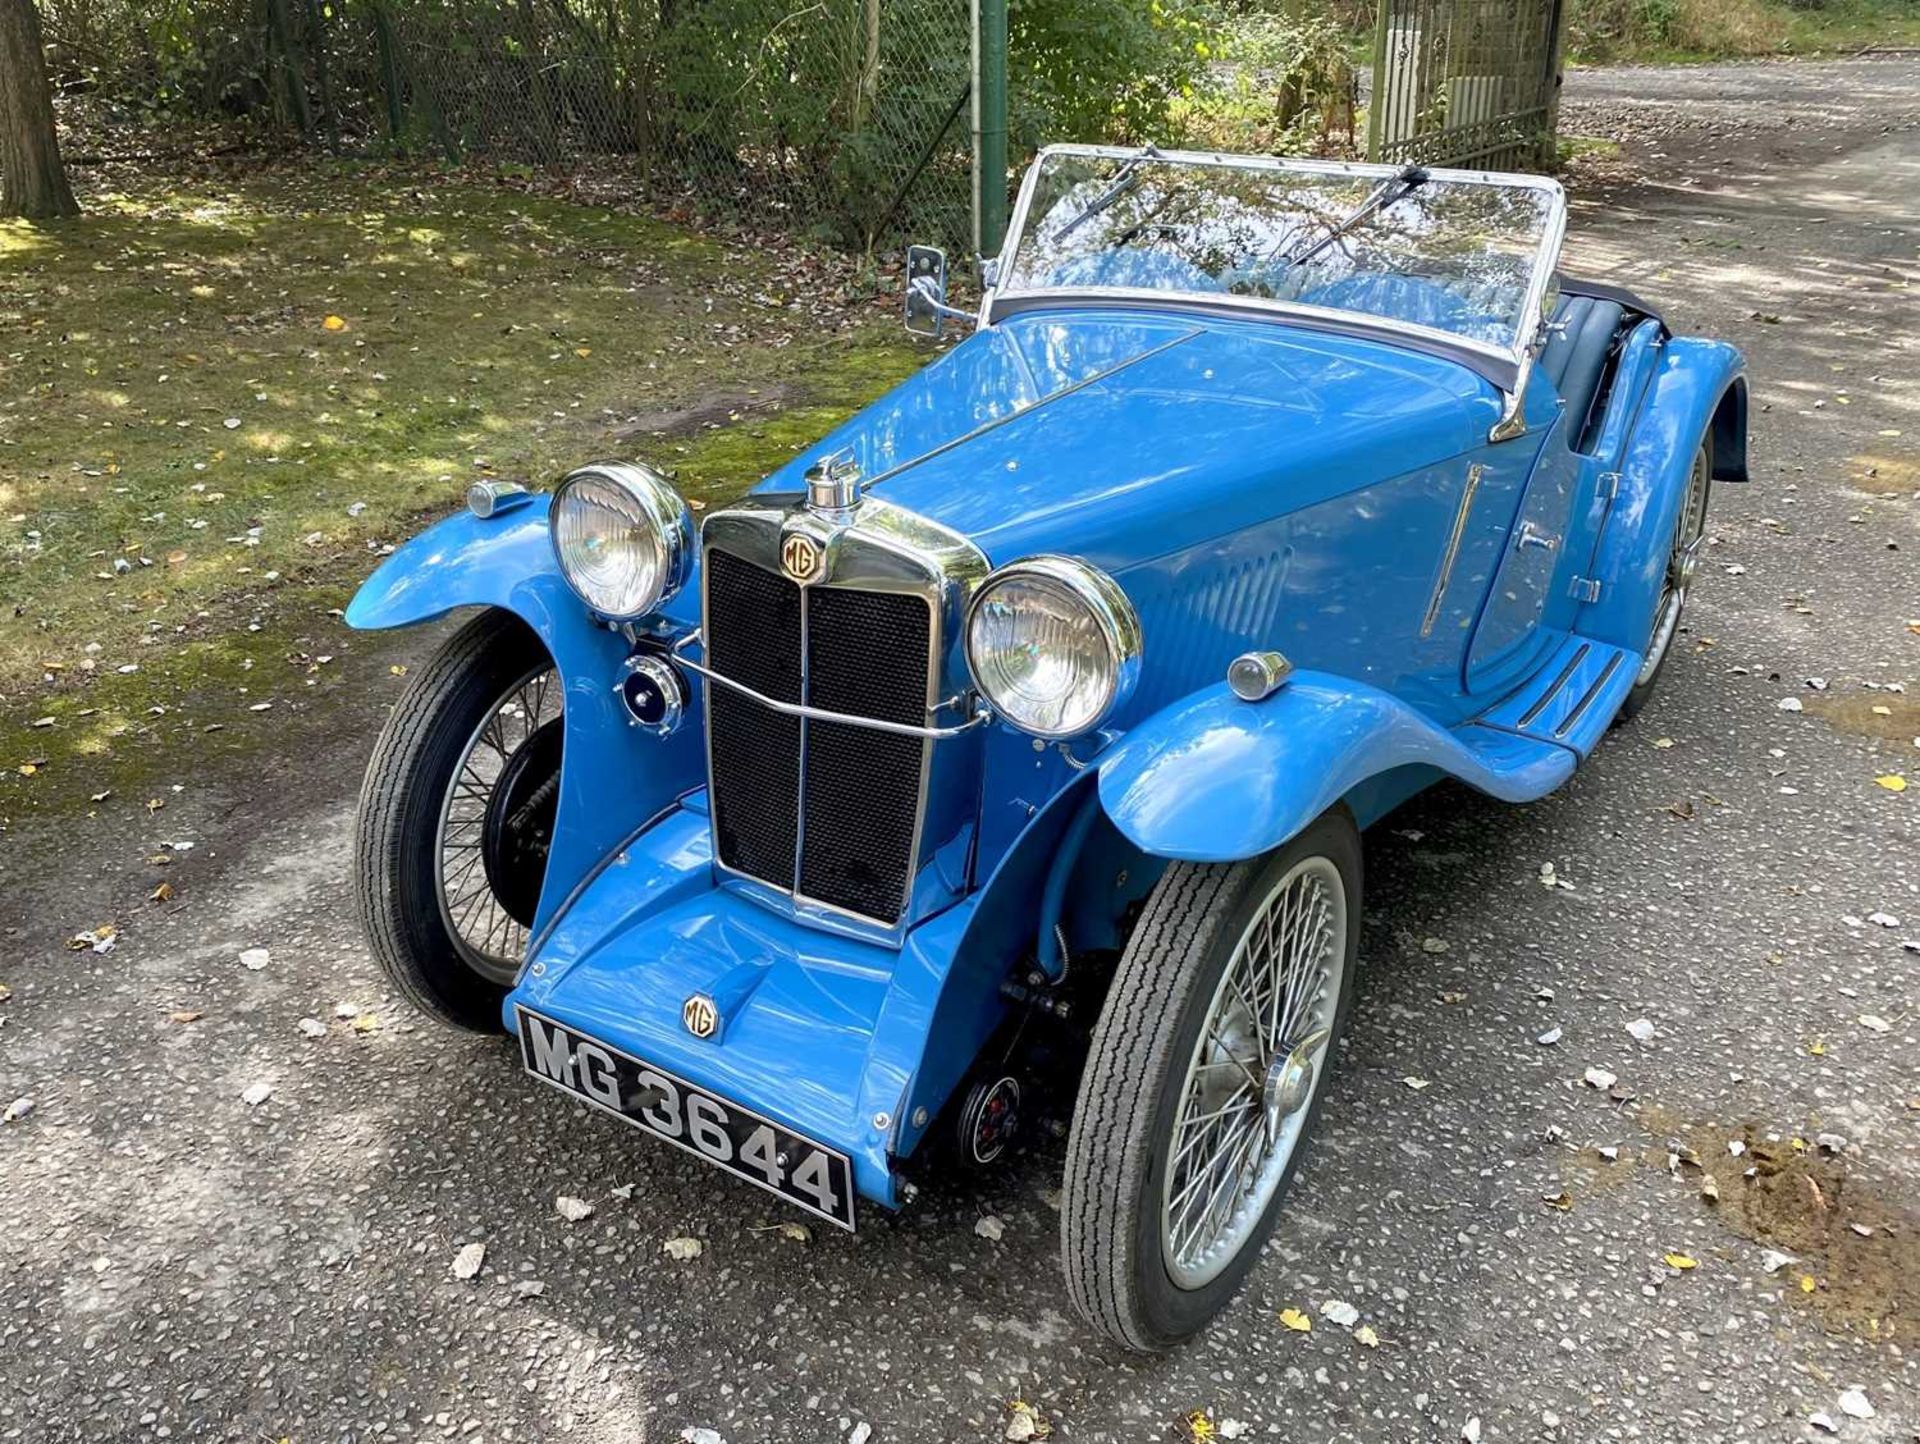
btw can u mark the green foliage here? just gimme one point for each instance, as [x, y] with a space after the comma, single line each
[1288, 87]
[1102, 70]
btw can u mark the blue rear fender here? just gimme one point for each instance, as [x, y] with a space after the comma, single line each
[1698, 388]
[612, 778]
[1213, 778]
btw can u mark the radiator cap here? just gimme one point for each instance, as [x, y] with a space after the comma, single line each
[833, 482]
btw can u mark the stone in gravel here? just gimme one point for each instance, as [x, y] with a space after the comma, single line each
[682, 1250]
[700, 1434]
[312, 1027]
[1434, 945]
[990, 1228]
[254, 959]
[256, 1094]
[1772, 1261]
[466, 1263]
[1790, 704]
[1854, 1404]
[572, 1209]
[529, 1289]
[1340, 1312]
[1470, 1431]
[1600, 1078]
[1873, 1023]
[1832, 1142]
[862, 1432]
[1824, 1421]
[1550, 1037]
[16, 1110]
[1884, 920]
[1641, 1030]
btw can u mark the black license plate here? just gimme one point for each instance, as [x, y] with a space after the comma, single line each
[759, 1150]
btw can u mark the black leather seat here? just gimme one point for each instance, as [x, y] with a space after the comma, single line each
[1575, 356]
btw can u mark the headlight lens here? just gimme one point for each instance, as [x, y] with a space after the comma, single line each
[1054, 645]
[623, 536]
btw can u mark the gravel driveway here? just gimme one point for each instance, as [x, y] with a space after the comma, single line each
[1704, 913]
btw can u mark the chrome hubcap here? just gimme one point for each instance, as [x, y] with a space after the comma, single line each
[489, 937]
[1254, 1072]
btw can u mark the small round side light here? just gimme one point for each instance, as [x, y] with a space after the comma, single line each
[487, 499]
[1258, 675]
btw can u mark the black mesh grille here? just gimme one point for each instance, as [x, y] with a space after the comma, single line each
[868, 658]
[753, 635]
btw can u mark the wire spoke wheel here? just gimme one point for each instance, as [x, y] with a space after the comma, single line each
[1253, 1074]
[1683, 559]
[496, 819]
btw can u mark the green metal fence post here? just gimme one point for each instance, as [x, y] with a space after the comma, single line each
[989, 125]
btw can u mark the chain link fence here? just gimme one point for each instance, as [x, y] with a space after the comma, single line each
[847, 119]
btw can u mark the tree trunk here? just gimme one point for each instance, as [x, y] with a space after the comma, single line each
[33, 182]
[282, 43]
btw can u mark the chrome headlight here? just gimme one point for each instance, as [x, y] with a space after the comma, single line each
[1053, 644]
[623, 536]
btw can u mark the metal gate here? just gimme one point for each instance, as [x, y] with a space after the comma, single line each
[1471, 83]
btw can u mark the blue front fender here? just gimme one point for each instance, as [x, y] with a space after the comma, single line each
[1215, 779]
[613, 777]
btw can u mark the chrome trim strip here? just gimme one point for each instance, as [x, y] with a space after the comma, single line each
[821, 714]
[1474, 473]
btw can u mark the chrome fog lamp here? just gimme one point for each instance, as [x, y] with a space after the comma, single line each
[1053, 644]
[623, 537]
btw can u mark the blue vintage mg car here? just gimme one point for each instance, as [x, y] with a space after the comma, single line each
[1003, 759]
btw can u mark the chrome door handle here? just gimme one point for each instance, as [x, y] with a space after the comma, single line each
[1531, 536]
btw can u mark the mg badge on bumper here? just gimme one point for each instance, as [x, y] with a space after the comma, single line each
[701, 1017]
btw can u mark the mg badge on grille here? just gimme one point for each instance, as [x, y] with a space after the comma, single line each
[801, 556]
[700, 1015]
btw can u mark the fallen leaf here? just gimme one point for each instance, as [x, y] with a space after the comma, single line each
[1772, 1261]
[1199, 1426]
[312, 1027]
[466, 1263]
[5, 992]
[1561, 1200]
[1365, 1335]
[1872, 1022]
[1340, 1313]
[364, 1023]
[681, 1250]
[1808, 1284]
[333, 323]
[1296, 1321]
[1416, 1084]
[797, 1232]
[1025, 1422]
[163, 893]
[185, 1015]
[990, 1228]
[1854, 1404]
[1599, 1078]
[1681, 1261]
[1435, 945]
[1893, 782]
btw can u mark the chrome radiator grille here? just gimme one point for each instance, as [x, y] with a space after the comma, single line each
[827, 811]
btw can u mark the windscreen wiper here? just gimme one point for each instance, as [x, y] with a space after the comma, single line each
[1124, 180]
[1391, 191]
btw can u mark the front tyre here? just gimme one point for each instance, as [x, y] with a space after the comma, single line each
[1204, 1081]
[456, 816]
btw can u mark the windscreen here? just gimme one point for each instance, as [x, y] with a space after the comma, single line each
[1450, 254]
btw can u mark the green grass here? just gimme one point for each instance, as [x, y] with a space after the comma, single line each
[1692, 31]
[190, 447]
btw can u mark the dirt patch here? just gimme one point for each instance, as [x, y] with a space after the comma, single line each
[719, 408]
[1855, 1248]
[1885, 475]
[1894, 716]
